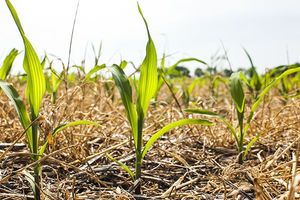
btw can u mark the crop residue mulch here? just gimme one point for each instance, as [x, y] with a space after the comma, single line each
[192, 162]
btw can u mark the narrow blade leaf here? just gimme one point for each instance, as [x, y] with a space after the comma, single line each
[171, 126]
[148, 74]
[214, 114]
[63, 127]
[93, 71]
[36, 85]
[55, 80]
[250, 144]
[171, 68]
[7, 64]
[19, 106]
[237, 92]
[125, 91]
[122, 165]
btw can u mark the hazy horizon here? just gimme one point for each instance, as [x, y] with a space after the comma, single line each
[268, 29]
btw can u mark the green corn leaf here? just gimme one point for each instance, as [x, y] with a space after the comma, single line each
[295, 80]
[214, 114]
[122, 165]
[19, 106]
[53, 83]
[237, 92]
[249, 57]
[7, 64]
[171, 68]
[93, 71]
[97, 55]
[15, 16]
[169, 127]
[43, 63]
[231, 129]
[192, 86]
[30, 180]
[55, 80]
[35, 77]
[250, 144]
[63, 127]
[161, 72]
[245, 80]
[125, 91]
[148, 74]
[219, 79]
[123, 64]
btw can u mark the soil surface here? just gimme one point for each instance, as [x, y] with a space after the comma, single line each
[190, 162]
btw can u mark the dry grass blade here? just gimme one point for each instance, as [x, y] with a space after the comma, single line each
[168, 193]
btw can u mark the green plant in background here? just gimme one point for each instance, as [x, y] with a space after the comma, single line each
[93, 71]
[54, 83]
[287, 83]
[136, 111]
[295, 81]
[53, 80]
[81, 69]
[216, 82]
[7, 64]
[254, 80]
[97, 66]
[109, 84]
[165, 74]
[188, 89]
[88, 76]
[30, 121]
[286, 87]
[239, 99]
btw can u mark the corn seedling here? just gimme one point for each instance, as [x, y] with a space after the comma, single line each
[287, 83]
[109, 85]
[136, 111]
[238, 97]
[35, 90]
[54, 80]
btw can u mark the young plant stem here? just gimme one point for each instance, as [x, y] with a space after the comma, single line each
[138, 171]
[37, 180]
[241, 136]
[36, 157]
[138, 153]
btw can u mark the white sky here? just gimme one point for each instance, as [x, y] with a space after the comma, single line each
[183, 28]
